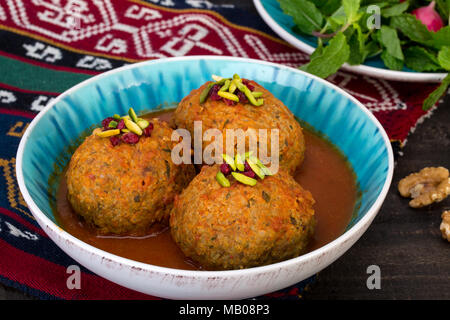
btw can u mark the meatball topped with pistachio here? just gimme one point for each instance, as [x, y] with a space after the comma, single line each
[122, 182]
[235, 103]
[237, 221]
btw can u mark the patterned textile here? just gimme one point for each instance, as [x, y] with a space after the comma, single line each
[47, 46]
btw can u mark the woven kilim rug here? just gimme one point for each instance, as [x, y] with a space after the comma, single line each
[47, 46]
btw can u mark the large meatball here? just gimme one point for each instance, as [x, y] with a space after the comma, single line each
[126, 188]
[242, 226]
[273, 114]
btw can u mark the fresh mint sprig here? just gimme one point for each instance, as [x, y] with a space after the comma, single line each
[344, 36]
[330, 58]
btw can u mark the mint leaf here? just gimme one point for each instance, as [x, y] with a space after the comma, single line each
[420, 59]
[351, 8]
[395, 10]
[333, 56]
[338, 18]
[440, 38]
[319, 49]
[390, 61]
[411, 28]
[357, 47]
[327, 7]
[444, 7]
[305, 14]
[434, 96]
[372, 49]
[389, 40]
[444, 58]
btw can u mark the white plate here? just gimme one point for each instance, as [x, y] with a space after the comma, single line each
[266, 8]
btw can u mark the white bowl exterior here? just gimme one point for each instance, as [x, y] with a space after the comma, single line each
[186, 284]
[238, 284]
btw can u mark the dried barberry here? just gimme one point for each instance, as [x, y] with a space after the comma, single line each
[225, 168]
[242, 97]
[148, 131]
[121, 125]
[213, 93]
[228, 102]
[115, 140]
[130, 138]
[250, 174]
[105, 123]
[248, 84]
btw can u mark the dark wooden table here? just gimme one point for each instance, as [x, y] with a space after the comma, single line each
[406, 244]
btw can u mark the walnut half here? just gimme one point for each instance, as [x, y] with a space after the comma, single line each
[426, 186]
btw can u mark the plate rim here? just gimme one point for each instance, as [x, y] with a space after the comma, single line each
[359, 227]
[360, 69]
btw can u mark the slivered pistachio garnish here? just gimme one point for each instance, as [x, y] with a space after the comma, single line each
[231, 91]
[133, 127]
[132, 115]
[250, 96]
[113, 124]
[245, 168]
[142, 123]
[257, 170]
[248, 154]
[216, 78]
[225, 86]
[205, 92]
[223, 181]
[229, 96]
[128, 128]
[232, 87]
[244, 179]
[230, 161]
[264, 169]
[108, 133]
[239, 161]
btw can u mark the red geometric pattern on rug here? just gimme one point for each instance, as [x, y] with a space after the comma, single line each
[131, 30]
[137, 31]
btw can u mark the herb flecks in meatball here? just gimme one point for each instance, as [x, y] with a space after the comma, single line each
[242, 226]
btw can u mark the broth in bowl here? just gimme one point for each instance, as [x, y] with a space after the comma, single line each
[324, 172]
[51, 138]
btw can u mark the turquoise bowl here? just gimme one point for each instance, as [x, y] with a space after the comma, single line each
[164, 82]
